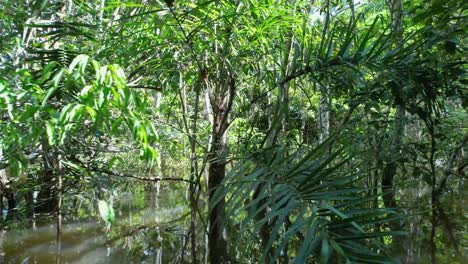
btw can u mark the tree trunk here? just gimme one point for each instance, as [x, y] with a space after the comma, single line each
[390, 168]
[194, 180]
[218, 252]
[216, 172]
[47, 202]
[324, 113]
[59, 206]
[192, 137]
[157, 104]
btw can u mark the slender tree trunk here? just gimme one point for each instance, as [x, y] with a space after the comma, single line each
[278, 124]
[325, 95]
[434, 194]
[47, 202]
[210, 117]
[216, 172]
[378, 163]
[157, 104]
[59, 206]
[192, 136]
[324, 110]
[390, 168]
[218, 252]
[193, 179]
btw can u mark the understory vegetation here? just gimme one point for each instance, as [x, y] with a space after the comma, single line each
[259, 131]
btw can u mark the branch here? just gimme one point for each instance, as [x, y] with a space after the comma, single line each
[297, 74]
[149, 87]
[449, 170]
[308, 69]
[128, 175]
[141, 178]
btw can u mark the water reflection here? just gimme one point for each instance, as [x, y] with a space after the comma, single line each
[142, 233]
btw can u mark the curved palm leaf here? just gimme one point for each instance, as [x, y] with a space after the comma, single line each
[311, 198]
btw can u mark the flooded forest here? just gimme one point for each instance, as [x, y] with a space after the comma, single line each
[230, 131]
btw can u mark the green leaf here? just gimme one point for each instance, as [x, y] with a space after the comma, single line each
[81, 60]
[50, 92]
[50, 130]
[106, 212]
[47, 72]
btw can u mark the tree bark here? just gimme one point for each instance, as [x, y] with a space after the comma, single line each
[218, 252]
[324, 110]
[324, 107]
[47, 202]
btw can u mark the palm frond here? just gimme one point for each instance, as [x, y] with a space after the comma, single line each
[319, 193]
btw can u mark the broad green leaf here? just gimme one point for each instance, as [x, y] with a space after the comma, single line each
[81, 61]
[106, 212]
[50, 130]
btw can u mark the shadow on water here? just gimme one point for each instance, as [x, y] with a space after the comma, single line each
[142, 233]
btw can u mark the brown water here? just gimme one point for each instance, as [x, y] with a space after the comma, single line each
[141, 234]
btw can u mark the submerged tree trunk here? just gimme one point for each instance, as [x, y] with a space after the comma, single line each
[157, 185]
[194, 180]
[191, 131]
[222, 103]
[7, 191]
[59, 206]
[390, 168]
[47, 202]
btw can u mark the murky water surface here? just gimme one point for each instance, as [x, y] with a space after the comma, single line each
[144, 232]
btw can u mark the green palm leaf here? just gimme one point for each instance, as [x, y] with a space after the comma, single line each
[306, 187]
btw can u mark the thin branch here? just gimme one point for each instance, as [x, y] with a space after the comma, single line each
[128, 175]
[308, 69]
[148, 87]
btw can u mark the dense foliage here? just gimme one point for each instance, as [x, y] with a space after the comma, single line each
[303, 131]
